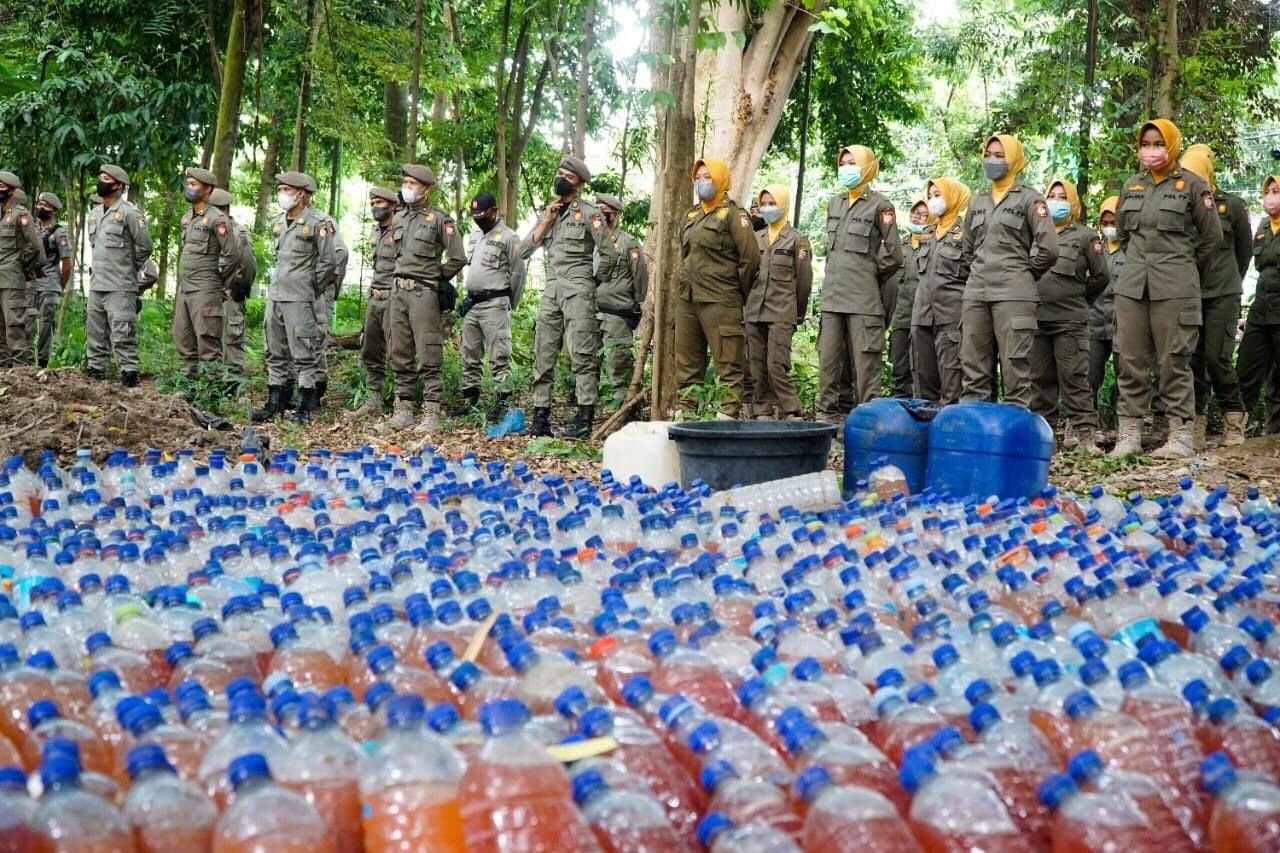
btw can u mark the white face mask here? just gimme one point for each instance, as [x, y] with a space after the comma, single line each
[1109, 231]
[286, 200]
[937, 205]
[409, 196]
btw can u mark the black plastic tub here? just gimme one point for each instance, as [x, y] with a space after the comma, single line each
[732, 453]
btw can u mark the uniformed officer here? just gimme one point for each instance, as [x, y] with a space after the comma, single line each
[906, 280]
[1009, 243]
[375, 336]
[22, 261]
[328, 295]
[776, 304]
[1060, 354]
[1102, 313]
[580, 255]
[864, 252]
[56, 276]
[619, 299]
[121, 247]
[304, 267]
[209, 263]
[238, 292]
[495, 281]
[1168, 227]
[1260, 346]
[720, 257]
[1221, 289]
[429, 252]
[935, 317]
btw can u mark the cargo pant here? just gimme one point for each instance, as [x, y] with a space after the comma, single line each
[1060, 362]
[293, 341]
[1006, 329]
[1100, 350]
[769, 356]
[233, 334]
[417, 341]
[1212, 362]
[935, 352]
[1162, 333]
[567, 313]
[716, 326]
[486, 329]
[324, 320]
[375, 338]
[619, 360]
[1259, 360]
[111, 327]
[15, 342]
[850, 347]
[901, 381]
[42, 318]
[197, 326]
[1273, 402]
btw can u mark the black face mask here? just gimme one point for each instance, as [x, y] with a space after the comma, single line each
[43, 213]
[105, 189]
[381, 213]
[757, 222]
[191, 194]
[562, 186]
[611, 219]
[485, 222]
[4, 196]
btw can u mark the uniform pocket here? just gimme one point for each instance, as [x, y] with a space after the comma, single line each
[870, 335]
[1068, 254]
[858, 237]
[1130, 210]
[1172, 216]
[1022, 336]
[1184, 341]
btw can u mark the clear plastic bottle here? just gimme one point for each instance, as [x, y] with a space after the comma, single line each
[164, 812]
[1246, 809]
[247, 732]
[624, 821]
[264, 816]
[954, 812]
[69, 819]
[850, 819]
[1092, 822]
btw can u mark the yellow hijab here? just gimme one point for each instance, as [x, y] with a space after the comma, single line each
[1275, 220]
[1014, 156]
[1172, 143]
[1198, 159]
[1073, 198]
[866, 160]
[782, 198]
[956, 195]
[719, 172]
[1110, 204]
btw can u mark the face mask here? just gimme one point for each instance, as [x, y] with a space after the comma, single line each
[611, 219]
[705, 189]
[994, 168]
[562, 186]
[937, 205]
[286, 201]
[381, 213]
[485, 222]
[916, 227]
[1271, 204]
[1153, 158]
[1059, 208]
[43, 213]
[191, 194]
[770, 213]
[849, 176]
[1110, 232]
[105, 189]
[757, 222]
[4, 195]
[409, 196]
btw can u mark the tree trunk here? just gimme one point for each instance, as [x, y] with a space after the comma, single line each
[298, 157]
[267, 183]
[506, 206]
[335, 171]
[744, 90]
[1086, 105]
[1167, 35]
[676, 146]
[394, 118]
[166, 233]
[807, 101]
[579, 147]
[224, 138]
[415, 92]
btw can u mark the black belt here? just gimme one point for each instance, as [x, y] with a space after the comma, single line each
[488, 295]
[616, 312]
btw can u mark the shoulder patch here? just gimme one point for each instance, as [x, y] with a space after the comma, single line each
[1096, 245]
[24, 220]
[597, 222]
[888, 217]
[449, 229]
[1207, 200]
[119, 216]
[1042, 210]
[222, 228]
[1179, 185]
[802, 250]
[722, 214]
[63, 241]
[744, 221]
[635, 254]
[431, 217]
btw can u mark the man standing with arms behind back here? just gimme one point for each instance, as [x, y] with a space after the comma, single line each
[121, 247]
[57, 274]
[210, 262]
[21, 259]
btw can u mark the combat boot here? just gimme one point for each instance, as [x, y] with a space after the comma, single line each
[1128, 437]
[286, 398]
[430, 420]
[95, 373]
[580, 426]
[402, 418]
[129, 379]
[273, 407]
[370, 408]
[1233, 430]
[321, 387]
[465, 406]
[541, 425]
[1181, 441]
[1200, 432]
[308, 402]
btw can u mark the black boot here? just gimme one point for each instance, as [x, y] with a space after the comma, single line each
[95, 373]
[541, 422]
[287, 401]
[499, 408]
[274, 406]
[580, 426]
[129, 379]
[308, 402]
[470, 399]
[321, 387]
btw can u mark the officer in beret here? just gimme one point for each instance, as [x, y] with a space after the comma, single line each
[55, 275]
[375, 337]
[209, 264]
[21, 262]
[238, 292]
[619, 299]
[121, 245]
[304, 268]
[580, 255]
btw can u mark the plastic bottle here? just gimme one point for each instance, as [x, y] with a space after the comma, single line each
[624, 821]
[16, 811]
[165, 813]
[309, 668]
[47, 723]
[719, 834]
[247, 732]
[72, 820]
[265, 817]
[748, 801]
[323, 766]
[1092, 822]
[952, 812]
[1148, 796]
[850, 819]
[1249, 742]
[1246, 809]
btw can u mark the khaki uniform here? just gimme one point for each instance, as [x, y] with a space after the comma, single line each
[209, 263]
[1170, 233]
[22, 259]
[375, 337]
[429, 252]
[1007, 248]
[232, 308]
[935, 316]
[1260, 346]
[901, 382]
[1060, 354]
[776, 304]
[720, 257]
[864, 250]
[495, 281]
[329, 296]
[121, 247]
[580, 254]
[618, 300]
[43, 316]
[1102, 325]
[1221, 289]
[304, 267]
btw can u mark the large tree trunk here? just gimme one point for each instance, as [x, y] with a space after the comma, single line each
[267, 183]
[1167, 47]
[224, 138]
[394, 118]
[742, 92]
[166, 234]
[675, 155]
[298, 157]
[415, 89]
[1086, 103]
[579, 146]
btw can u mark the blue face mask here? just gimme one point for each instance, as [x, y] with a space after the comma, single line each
[916, 228]
[770, 213]
[1059, 208]
[849, 176]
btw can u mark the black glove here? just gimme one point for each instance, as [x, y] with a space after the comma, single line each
[465, 305]
[448, 295]
[240, 290]
[632, 320]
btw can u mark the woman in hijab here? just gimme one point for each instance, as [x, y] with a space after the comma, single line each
[935, 319]
[903, 298]
[1260, 347]
[1168, 227]
[1102, 311]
